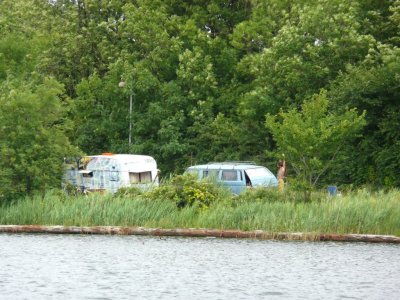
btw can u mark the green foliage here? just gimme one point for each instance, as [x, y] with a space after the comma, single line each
[372, 86]
[186, 190]
[128, 192]
[264, 195]
[260, 195]
[317, 41]
[204, 74]
[221, 134]
[33, 137]
[360, 211]
[311, 139]
[71, 190]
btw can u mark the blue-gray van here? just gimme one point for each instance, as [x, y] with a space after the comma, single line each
[238, 176]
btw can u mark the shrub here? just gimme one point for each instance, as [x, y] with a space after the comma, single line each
[128, 192]
[71, 190]
[260, 194]
[186, 190]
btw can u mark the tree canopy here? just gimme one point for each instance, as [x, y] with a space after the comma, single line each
[203, 75]
[312, 138]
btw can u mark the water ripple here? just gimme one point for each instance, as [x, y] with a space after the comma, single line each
[127, 267]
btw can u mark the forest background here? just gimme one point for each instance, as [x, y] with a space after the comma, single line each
[204, 77]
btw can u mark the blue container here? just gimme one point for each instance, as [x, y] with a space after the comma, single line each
[332, 190]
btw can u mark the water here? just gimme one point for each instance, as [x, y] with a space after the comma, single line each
[132, 267]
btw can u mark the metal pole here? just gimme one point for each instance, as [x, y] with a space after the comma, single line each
[130, 120]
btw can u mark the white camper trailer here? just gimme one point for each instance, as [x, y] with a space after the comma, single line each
[109, 172]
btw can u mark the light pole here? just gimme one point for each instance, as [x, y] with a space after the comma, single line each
[122, 85]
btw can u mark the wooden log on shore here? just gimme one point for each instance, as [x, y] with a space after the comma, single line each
[195, 232]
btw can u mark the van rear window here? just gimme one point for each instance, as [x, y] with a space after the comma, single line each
[229, 175]
[258, 173]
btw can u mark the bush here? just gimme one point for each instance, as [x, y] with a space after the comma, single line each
[186, 190]
[72, 190]
[128, 192]
[260, 194]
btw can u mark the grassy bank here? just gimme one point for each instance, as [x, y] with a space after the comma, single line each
[357, 212]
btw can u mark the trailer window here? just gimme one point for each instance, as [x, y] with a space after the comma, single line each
[114, 176]
[87, 174]
[142, 177]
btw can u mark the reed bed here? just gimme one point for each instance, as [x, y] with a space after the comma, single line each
[361, 212]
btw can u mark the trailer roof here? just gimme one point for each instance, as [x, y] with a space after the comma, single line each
[127, 158]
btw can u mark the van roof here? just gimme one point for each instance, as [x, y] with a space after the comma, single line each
[227, 165]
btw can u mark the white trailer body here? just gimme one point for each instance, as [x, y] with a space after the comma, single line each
[110, 172]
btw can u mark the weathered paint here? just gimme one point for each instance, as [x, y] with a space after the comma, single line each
[109, 172]
[194, 232]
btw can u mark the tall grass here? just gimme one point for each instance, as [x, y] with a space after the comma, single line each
[356, 212]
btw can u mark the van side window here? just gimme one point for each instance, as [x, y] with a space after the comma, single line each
[210, 173]
[229, 175]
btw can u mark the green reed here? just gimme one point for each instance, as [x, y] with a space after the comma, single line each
[356, 212]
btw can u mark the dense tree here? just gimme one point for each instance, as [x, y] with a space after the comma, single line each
[203, 75]
[33, 109]
[312, 139]
[373, 87]
[33, 142]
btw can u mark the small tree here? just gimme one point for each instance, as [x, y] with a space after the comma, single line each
[312, 138]
[33, 139]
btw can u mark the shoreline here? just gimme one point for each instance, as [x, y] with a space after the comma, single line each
[194, 232]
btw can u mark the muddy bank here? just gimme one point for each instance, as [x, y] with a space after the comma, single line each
[256, 234]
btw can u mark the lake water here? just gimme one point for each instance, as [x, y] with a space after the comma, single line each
[132, 267]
